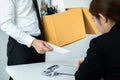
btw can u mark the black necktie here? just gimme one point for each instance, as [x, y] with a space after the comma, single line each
[38, 16]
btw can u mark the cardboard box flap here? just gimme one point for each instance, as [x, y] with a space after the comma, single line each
[89, 24]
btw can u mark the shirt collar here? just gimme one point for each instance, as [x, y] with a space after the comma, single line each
[116, 26]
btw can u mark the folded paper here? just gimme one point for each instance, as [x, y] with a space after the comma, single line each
[59, 49]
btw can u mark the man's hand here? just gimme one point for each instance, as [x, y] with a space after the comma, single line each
[41, 46]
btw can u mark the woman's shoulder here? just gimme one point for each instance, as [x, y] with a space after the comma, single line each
[105, 39]
[101, 39]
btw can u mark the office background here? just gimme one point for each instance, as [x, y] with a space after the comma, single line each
[3, 39]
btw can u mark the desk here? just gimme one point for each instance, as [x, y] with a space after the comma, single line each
[33, 71]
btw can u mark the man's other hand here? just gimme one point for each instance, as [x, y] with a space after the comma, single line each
[41, 46]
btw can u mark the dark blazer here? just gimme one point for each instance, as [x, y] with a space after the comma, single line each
[103, 57]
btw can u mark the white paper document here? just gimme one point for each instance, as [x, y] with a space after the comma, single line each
[67, 70]
[58, 49]
[60, 70]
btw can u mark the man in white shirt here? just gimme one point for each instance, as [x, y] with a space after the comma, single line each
[19, 20]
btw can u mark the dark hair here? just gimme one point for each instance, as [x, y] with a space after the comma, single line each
[109, 8]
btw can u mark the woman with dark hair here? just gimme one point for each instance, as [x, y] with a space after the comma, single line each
[103, 55]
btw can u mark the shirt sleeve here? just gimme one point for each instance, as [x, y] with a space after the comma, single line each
[92, 67]
[8, 25]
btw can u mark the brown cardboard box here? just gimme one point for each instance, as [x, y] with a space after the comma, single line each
[65, 27]
[89, 24]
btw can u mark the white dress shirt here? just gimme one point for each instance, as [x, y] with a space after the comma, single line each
[19, 20]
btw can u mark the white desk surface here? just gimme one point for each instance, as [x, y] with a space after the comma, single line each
[33, 71]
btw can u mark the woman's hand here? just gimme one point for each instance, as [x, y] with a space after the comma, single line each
[41, 46]
[79, 62]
